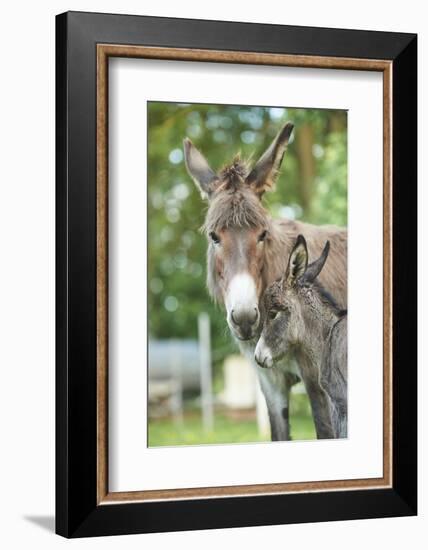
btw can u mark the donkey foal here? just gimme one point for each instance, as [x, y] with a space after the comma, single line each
[302, 318]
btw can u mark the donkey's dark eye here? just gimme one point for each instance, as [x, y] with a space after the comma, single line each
[215, 238]
[262, 236]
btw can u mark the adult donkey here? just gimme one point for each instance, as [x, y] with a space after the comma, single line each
[247, 251]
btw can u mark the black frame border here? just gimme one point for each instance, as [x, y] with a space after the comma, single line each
[77, 512]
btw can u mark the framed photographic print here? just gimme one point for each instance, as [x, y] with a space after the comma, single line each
[228, 353]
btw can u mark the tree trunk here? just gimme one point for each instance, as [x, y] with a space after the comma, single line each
[306, 160]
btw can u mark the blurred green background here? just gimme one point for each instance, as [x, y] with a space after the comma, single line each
[312, 187]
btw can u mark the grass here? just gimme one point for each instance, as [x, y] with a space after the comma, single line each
[166, 432]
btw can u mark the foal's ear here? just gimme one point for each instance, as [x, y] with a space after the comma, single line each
[297, 262]
[314, 269]
[199, 169]
[263, 175]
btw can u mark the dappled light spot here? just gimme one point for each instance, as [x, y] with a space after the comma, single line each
[248, 137]
[277, 113]
[176, 156]
[226, 122]
[173, 215]
[317, 150]
[180, 260]
[171, 303]
[220, 136]
[194, 130]
[213, 121]
[181, 191]
[156, 198]
[188, 238]
[196, 270]
[156, 285]
[298, 210]
[167, 266]
[252, 117]
[287, 212]
[166, 234]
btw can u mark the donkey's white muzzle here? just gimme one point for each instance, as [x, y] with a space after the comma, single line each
[243, 314]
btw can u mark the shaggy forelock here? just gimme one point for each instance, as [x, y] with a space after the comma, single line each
[274, 296]
[238, 208]
[233, 175]
[234, 203]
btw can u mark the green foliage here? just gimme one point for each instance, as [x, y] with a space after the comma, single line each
[177, 249]
[330, 205]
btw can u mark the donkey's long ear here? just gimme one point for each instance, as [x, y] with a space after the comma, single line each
[199, 169]
[297, 262]
[263, 175]
[314, 269]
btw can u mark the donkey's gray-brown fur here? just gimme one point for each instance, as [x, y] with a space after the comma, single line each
[243, 238]
[334, 374]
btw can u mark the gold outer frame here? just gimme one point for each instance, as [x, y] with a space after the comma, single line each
[104, 52]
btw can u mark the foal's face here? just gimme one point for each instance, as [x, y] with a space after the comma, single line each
[238, 255]
[291, 304]
[283, 325]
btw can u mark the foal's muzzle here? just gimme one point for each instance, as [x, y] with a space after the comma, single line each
[264, 361]
[262, 355]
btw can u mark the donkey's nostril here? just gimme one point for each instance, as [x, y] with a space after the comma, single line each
[259, 360]
[244, 317]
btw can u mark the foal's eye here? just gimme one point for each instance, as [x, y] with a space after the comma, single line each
[262, 236]
[215, 238]
[273, 314]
